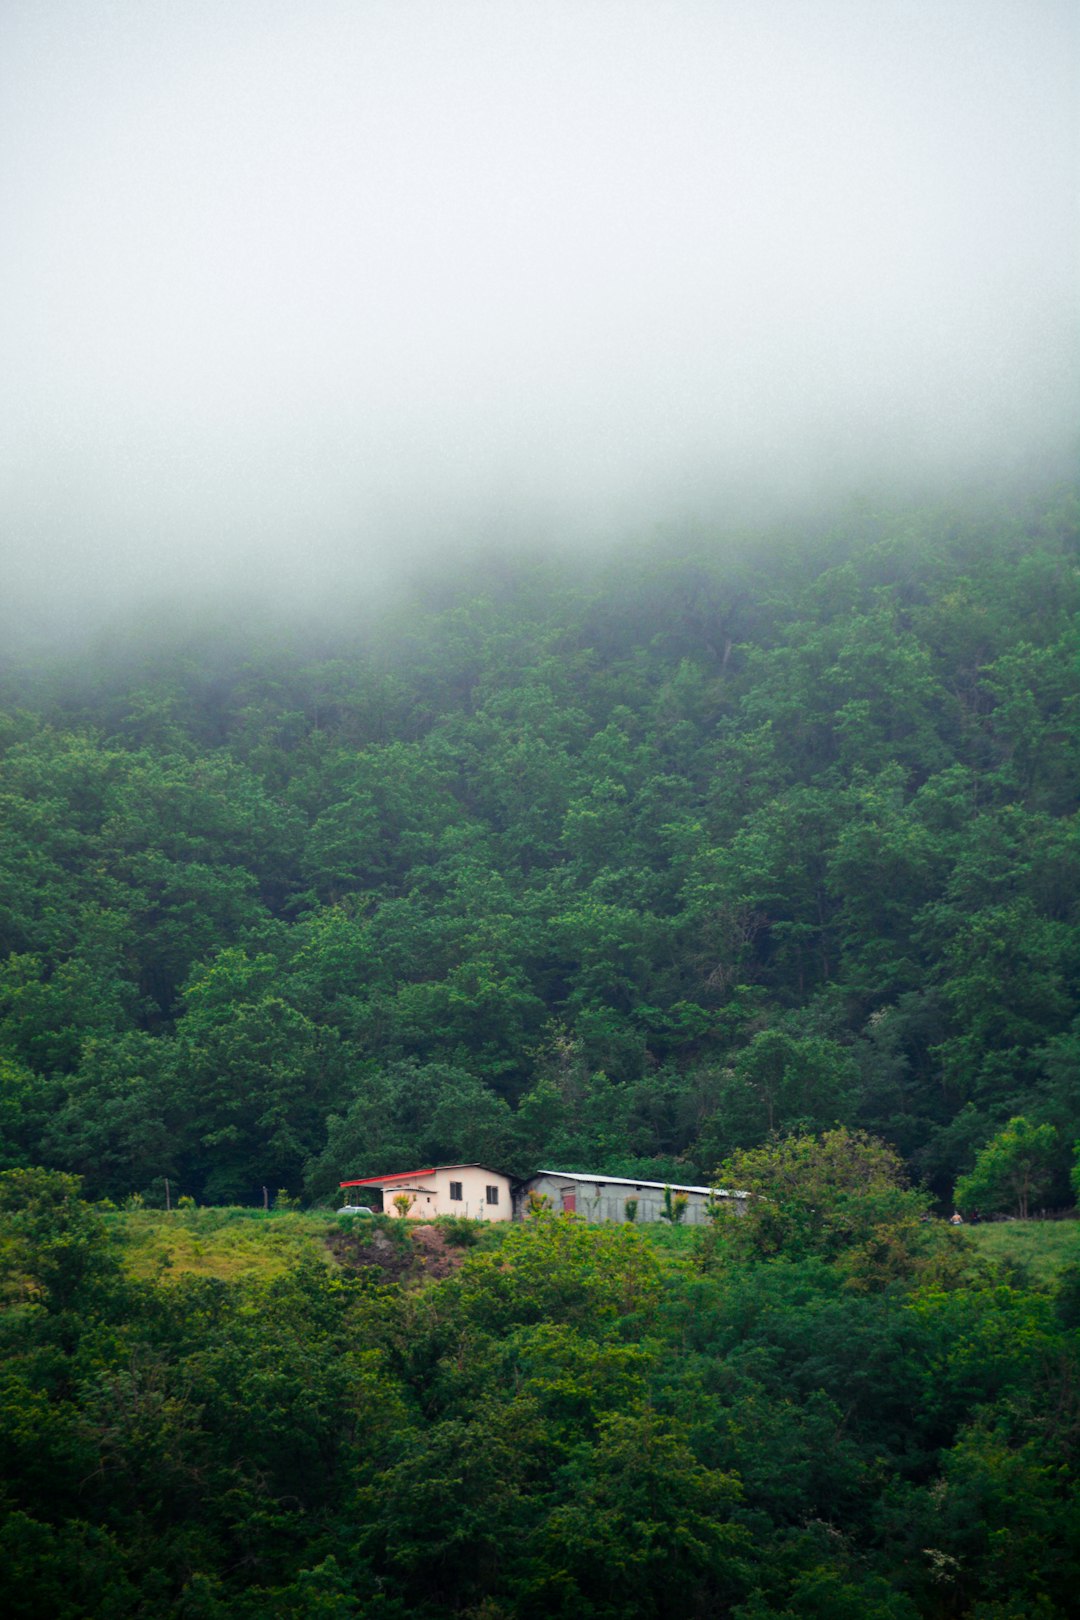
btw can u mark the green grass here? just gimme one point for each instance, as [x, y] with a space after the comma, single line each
[1039, 1248]
[230, 1243]
[234, 1243]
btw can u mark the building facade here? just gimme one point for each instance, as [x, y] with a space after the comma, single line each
[474, 1190]
[604, 1198]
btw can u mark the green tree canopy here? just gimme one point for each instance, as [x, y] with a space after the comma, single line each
[1012, 1171]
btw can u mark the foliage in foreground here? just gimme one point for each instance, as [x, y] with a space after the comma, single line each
[579, 1422]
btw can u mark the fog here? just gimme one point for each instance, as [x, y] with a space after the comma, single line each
[295, 296]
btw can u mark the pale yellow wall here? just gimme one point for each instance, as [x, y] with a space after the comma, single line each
[423, 1193]
[473, 1204]
[432, 1195]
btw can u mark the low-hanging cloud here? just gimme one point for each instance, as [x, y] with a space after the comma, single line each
[292, 292]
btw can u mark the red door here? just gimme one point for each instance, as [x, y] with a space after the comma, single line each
[569, 1203]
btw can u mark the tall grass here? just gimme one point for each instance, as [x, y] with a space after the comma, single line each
[227, 1242]
[1038, 1249]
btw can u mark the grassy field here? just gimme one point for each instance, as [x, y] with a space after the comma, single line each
[233, 1242]
[1039, 1248]
[229, 1242]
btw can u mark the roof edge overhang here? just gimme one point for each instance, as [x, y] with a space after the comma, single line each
[379, 1181]
[628, 1181]
[414, 1175]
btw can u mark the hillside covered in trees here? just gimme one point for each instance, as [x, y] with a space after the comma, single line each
[625, 866]
[827, 1410]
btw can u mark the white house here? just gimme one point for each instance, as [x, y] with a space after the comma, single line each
[446, 1189]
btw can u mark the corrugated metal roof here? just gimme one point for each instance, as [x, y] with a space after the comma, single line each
[625, 1181]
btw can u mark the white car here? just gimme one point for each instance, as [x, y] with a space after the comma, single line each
[355, 1209]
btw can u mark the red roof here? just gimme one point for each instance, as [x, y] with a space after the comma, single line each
[377, 1181]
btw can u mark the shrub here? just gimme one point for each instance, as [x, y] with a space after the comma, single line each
[459, 1230]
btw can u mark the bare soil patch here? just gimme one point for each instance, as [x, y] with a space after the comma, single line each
[426, 1254]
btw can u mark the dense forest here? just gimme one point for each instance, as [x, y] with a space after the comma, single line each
[758, 861]
[622, 866]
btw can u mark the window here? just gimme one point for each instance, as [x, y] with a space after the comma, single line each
[455, 1191]
[492, 1194]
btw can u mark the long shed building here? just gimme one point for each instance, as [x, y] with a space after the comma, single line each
[604, 1198]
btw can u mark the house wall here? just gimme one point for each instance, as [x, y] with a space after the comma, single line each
[594, 1199]
[604, 1201]
[424, 1194]
[431, 1196]
[474, 1182]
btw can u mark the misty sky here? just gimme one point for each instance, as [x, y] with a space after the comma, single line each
[291, 291]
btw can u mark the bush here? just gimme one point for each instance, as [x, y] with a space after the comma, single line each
[459, 1230]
